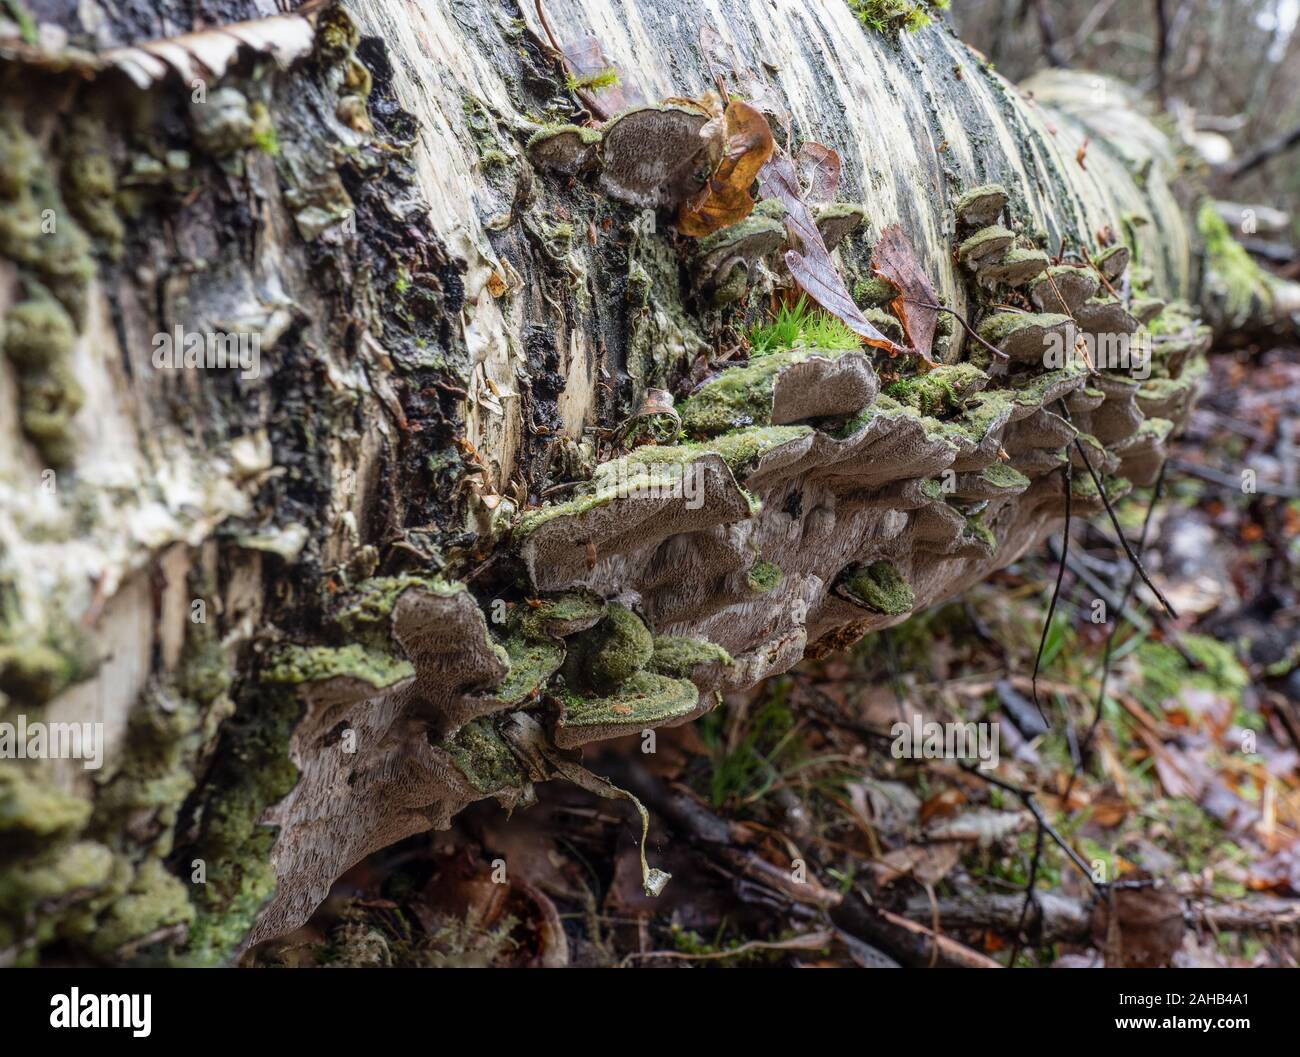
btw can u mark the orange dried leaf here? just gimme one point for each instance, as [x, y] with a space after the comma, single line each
[746, 146]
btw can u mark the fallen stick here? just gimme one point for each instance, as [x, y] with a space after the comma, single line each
[1066, 918]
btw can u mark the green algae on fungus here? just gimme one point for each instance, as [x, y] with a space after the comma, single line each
[1005, 477]
[984, 244]
[89, 180]
[532, 662]
[887, 408]
[837, 220]
[365, 613]
[611, 652]
[1025, 337]
[58, 255]
[563, 615]
[1016, 267]
[976, 529]
[880, 587]
[51, 398]
[740, 447]
[647, 471]
[293, 665]
[741, 396]
[1084, 488]
[1113, 261]
[722, 261]
[644, 699]
[939, 390]
[763, 577]
[887, 323]
[679, 656]
[484, 758]
[1035, 390]
[981, 206]
[874, 292]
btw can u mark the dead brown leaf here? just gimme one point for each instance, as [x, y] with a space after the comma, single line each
[811, 264]
[819, 171]
[895, 260]
[747, 144]
[585, 58]
[1138, 928]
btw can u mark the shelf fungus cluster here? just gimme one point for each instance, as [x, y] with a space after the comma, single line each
[788, 505]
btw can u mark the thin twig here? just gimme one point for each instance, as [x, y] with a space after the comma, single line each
[1056, 591]
[1029, 897]
[1114, 630]
[965, 326]
[1027, 798]
[1114, 519]
[1162, 52]
[809, 941]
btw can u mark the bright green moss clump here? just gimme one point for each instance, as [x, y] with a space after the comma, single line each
[1165, 673]
[880, 586]
[895, 16]
[763, 577]
[939, 390]
[606, 78]
[801, 325]
[609, 654]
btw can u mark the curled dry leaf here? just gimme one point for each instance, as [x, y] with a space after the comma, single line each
[747, 144]
[895, 260]
[813, 268]
[595, 78]
[819, 171]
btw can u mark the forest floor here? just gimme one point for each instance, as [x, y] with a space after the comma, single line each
[795, 836]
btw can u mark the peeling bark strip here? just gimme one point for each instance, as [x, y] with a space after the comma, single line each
[504, 482]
